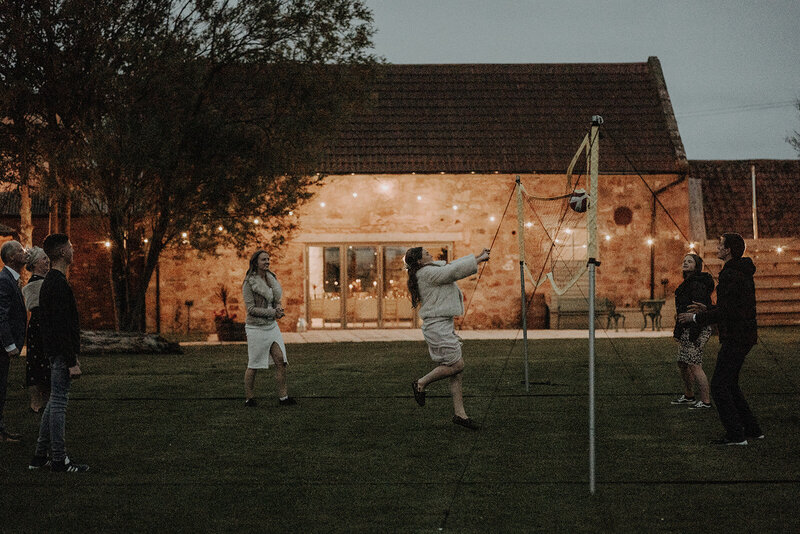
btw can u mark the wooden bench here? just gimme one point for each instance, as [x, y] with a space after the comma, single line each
[579, 307]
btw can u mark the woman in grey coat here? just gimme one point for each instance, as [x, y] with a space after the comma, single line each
[262, 295]
[433, 288]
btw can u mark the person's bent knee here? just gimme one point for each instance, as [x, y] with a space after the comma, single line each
[458, 366]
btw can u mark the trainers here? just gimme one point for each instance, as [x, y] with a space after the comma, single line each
[727, 441]
[39, 462]
[468, 423]
[288, 401]
[66, 466]
[250, 402]
[683, 399]
[760, 436]
[700, 405]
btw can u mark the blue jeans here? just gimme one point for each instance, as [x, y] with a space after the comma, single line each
[51, 428]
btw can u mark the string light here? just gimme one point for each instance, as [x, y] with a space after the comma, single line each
[291, 213]
[256, 221]
[107, 244]
[691, 246]
[491, 218]
[650, 241]
[779, 249]
[355, 195]
[219, 228]
[455, 207]
[568, 230]
[184, 235]
[146, 240]
[321, 204]
[528, 224]
[608, 237]
[419, 197]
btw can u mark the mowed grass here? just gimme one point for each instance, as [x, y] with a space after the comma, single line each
[172, 448]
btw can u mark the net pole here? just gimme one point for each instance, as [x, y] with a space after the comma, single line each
[523, 306]
[591, 227]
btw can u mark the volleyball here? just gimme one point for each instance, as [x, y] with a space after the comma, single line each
[579, 200]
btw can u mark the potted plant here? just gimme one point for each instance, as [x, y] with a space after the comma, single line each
[228, 329]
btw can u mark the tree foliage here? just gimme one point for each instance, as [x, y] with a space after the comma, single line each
[183, 121]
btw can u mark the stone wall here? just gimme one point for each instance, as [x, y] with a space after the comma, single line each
[409, 209]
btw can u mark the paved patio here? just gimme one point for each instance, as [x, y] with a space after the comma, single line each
[407, 334]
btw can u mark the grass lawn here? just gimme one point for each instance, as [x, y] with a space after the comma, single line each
[173, 449]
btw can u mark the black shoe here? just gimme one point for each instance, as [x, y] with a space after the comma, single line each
[288, 401]
[468, 423]
[39, 462]
[9, 437]
[725, 440]
[250, 402]
[66, 466]
[419, 396]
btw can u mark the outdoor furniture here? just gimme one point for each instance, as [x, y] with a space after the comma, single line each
[651, 308]
[579, 307]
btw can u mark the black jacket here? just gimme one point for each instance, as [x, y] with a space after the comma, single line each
[13, 315]
[61, 330]
[735, 312]
[696, 288]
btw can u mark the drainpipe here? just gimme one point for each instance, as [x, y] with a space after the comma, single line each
[755, 217]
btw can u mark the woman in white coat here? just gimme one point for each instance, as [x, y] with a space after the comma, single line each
[262, 297]
[432, 285]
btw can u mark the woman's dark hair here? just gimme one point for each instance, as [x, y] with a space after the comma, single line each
[735, 243]
[412, 257]
[253, 267]
[698, 265]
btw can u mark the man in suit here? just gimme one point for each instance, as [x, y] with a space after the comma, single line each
[735, 313]
[13, 318]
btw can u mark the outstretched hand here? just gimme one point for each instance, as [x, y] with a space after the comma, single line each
[482, 256]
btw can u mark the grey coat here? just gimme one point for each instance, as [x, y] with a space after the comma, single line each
[439, 294]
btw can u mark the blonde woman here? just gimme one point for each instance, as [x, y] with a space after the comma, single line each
[262, 297]
[433, 288]
[37, 365]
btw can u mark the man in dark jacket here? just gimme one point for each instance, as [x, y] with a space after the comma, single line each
[13, 318]
[735, 313]
[61, 342]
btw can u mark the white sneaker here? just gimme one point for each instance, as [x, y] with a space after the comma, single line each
[700, 405]
[683, 399]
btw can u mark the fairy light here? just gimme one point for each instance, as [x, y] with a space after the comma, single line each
[568, 231]
[491, 218]
[291, 213]
[455, 208]
[256, 221]
[385, 187]
[779, 249]
[107, 244]
[419, 197]
[528, 224]
[321, 204]
[355, 195]
[184, 235]
[608, 237]
[146, 240]
[691, 246]
[219, 228]
[650, 241]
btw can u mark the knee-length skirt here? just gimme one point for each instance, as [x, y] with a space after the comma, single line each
[691, 352]
[259, 342]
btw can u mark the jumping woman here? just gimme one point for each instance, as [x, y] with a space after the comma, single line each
[433, 288]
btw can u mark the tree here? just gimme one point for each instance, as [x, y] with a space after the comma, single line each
[193, 118]
[794, 140]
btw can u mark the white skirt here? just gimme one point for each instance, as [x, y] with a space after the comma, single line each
[259, 343]
[444, 346]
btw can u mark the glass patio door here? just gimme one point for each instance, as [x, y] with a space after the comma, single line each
[362, 286]
[324, 287]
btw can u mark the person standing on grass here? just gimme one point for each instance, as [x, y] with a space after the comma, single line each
[697, 286]
[37, 365]
[735, 313]
[262, 295]
[432, 285]
[13, 317]
[61, 341]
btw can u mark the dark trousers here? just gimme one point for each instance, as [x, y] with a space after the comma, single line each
[4, 361]
[734, 413]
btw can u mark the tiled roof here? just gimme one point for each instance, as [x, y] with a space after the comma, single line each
[9, 204]
[728, 196]
[509, 118]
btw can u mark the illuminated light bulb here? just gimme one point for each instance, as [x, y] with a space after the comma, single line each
[374, 283]
[491, 218]
[146, 240]
[219, 228]
[568, 230]
[779, 250]
[107, 244]
[419, 197]
[184, 235]
[391, 281]
[256, 221]
[441, 172]
[650, 241]
[528, 224]
[691, 245]
[291, 213]
[608, 237]
[385, 187]
[321, 204]
[455, 207]
[355, 195]
[557, 241]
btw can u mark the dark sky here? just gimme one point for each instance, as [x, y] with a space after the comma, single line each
[732, 67]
